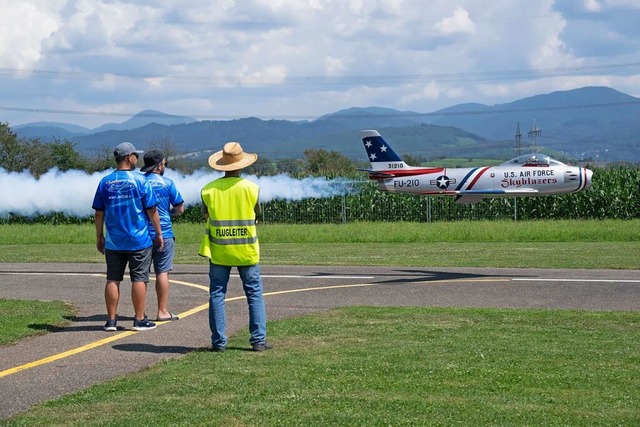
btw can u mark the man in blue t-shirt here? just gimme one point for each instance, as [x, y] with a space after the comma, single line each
[125, 204]
[170, 203]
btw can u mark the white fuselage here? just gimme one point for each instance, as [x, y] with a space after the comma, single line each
[512, 178]
[532, 174]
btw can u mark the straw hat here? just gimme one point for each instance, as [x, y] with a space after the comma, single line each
[231, 158]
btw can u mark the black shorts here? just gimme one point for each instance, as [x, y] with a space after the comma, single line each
[139, 264]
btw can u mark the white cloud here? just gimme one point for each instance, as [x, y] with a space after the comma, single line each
[334, 66]
[155, 81]
[271, 75]
[23, 27]
[292, 58]
[459, 22]
[592, 5]
[429, 92]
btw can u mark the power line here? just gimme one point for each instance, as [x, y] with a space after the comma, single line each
[307, 117]
[311, 80]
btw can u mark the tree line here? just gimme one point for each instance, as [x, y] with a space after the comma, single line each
[615, 191]
[22, 154]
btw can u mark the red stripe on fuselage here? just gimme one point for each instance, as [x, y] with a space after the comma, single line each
[477, 177]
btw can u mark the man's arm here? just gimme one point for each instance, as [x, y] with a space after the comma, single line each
[155, 221]
[177, 210]
[99, 222]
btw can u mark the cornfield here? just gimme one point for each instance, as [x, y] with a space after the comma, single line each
[614, 194]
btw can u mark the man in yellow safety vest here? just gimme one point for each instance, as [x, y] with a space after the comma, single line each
[230, 205]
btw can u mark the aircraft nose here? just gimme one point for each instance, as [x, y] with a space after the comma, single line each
[587, 177]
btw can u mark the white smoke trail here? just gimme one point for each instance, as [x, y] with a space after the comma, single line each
[72, 192]
[276, 187]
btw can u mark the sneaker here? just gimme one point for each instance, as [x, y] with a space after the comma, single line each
[218, 349]
[110, 326]
[143, 325]
[261, 346]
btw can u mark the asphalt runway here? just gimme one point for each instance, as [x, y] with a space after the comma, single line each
[82, 354]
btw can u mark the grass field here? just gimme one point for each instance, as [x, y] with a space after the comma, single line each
[383, 366]
[21, 319]
[387, 366]
[537, 244]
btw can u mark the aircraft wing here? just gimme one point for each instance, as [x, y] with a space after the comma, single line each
[474, 196]
[461, 197]
[469, 198]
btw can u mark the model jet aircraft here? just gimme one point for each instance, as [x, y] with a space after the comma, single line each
[528, 175]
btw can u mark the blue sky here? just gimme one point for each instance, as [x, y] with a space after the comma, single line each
[92, 62]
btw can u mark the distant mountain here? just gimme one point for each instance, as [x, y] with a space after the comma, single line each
[595, 123]
[144, 118]
[364, 118]
[64, 126]
[277, 139]
[48, 131]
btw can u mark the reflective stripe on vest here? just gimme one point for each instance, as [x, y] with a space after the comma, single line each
[230, 236]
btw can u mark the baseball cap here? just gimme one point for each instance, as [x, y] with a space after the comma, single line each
[126, 148]
[152, 158]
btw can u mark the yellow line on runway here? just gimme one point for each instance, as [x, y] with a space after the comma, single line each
[121, 335]
[319, 288]
[193, 285]
[198, 309]
[66, 353]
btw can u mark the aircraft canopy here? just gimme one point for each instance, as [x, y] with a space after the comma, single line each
[534, 159]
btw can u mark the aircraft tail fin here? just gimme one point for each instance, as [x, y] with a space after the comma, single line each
[381, 155]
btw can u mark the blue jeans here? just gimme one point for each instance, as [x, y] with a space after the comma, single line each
[252, 285]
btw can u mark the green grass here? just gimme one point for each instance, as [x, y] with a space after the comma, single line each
[530, 244]
[594, 255]
[377, 366]
[614, 255]
[388, 366]
[365, 232]
[21, 319]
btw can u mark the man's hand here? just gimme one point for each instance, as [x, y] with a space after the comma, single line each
[159, 242]
[100, 244]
